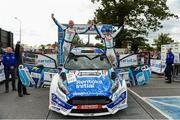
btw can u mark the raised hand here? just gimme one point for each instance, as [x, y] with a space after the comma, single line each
[52, 15]
[91, 23]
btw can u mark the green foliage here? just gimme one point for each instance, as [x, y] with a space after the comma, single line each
[141, 16]
[161, 40]
[77, 40]
[98, 45]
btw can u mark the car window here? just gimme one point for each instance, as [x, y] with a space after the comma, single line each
[87, 62]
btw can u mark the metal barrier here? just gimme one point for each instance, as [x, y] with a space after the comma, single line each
[176, 71]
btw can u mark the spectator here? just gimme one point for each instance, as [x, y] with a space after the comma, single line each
[9, 63]
[18, 56]
[169, 67]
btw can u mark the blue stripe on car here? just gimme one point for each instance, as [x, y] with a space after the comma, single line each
[58, 101]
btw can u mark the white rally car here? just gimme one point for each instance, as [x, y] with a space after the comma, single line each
[87, 85]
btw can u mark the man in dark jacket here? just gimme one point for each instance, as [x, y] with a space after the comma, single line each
[9, 63]
[169, 67]
[18, 55]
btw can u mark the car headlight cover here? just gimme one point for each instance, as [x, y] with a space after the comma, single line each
[115, 85]
[61, 85]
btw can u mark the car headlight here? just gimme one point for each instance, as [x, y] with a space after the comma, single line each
[115, 86]
[61, 83]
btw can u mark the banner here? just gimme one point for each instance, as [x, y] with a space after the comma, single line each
[81, 27]
[37, 59]
[157, 66]
[47, 62]
[175, 49]
[2, 75]
[129, 61]
[60, 46]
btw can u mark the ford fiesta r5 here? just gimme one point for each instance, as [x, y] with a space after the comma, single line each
[87, 85]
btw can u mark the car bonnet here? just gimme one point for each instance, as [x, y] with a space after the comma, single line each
[88, 83]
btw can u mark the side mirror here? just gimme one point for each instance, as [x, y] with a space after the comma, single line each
[113, 75]
[101, 58]
[63, 76]
[60, 69]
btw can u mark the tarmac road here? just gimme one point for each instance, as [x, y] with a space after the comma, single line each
[35, 106]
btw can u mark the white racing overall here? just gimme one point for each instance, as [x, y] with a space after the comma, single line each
[110, 53]
[69, 34]
[108, 39]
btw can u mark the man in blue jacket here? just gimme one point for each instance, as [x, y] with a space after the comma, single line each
[169, 67]
[9, 63]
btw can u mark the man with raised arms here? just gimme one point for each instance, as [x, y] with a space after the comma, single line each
[108, 41]
[69, 33]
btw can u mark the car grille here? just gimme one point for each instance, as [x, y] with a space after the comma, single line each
[92, 100]
[90, 111]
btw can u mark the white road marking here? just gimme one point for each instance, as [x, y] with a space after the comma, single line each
[145, 100]
[163, 97]
[163, 103]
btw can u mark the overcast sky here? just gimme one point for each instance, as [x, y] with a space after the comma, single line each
[171, 26]
[38, 27]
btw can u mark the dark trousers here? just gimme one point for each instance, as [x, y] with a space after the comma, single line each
[168, 72]
[12, 73]
[21, 87]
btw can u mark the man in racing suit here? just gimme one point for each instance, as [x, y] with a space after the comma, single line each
[109, 43]
[69, 33]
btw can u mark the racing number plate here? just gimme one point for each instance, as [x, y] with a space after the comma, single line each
[89, 107]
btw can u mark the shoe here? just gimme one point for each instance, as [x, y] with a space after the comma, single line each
[6, 91]
[168, 81]
[26, 93]
[14, 89]
[20, 94]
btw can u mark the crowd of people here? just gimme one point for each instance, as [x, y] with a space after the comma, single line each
[11, 60]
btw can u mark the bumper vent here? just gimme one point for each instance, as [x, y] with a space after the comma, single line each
[92, 100]
[90, 111]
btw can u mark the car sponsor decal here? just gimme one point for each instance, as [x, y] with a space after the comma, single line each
[59, 102]
[55, 108]
[71, 78]
[117, 101]
[89, 107]
[95, 73]
[88, 83]
[90, 86]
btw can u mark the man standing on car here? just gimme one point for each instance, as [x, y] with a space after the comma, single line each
[108, 38]
[18, 55]
[169, 63]
[69, 33]
[9, 63]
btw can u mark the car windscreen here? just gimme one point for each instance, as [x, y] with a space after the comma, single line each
[87, 62]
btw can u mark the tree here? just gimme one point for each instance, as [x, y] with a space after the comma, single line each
[138, 43]
[77, 40]
[161, 40]
[99, 45]
[141, 16]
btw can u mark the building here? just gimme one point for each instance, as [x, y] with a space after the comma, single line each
[6, 39]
